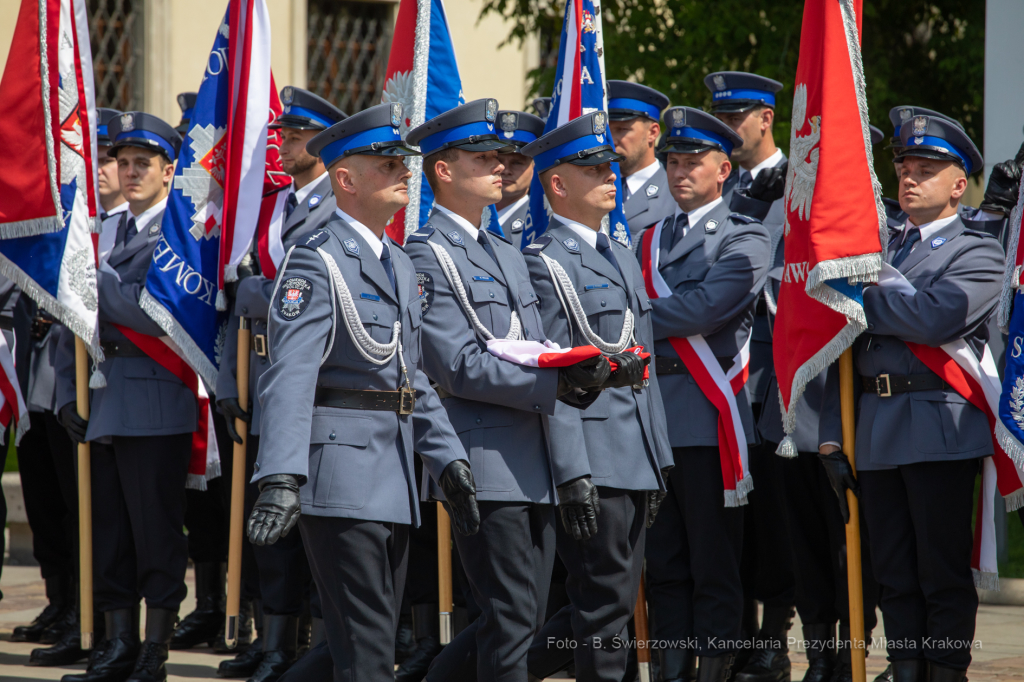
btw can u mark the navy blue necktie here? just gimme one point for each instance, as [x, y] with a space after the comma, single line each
[745, 181]
[481, 238]
[913, 237]
[604, 248]
[385, 260]
[130, 231]
[290, 205]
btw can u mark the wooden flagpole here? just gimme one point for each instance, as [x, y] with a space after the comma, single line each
[84, 498]
[237, 529]
[853, 555]
[444, 573]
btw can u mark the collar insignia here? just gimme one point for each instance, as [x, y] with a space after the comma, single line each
[710, 226]
[517, 224]
[154, 229]
[652, 190]
[572, 245]
[938, 241]
[455, 238]
[352, 246]
[315, 200]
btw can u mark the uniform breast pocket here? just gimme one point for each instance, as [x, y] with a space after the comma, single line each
[605, 309]
[491, 305]
[340, 466]
[378, 318]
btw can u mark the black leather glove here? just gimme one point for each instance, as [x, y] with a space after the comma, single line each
[589, 375]
[630, 370]
[770, 184]
[1003, 188]
[460, 491]
[230, 408]
[579, 506]
[656, 497]
[840, 475]
[276, 510]
[247, 267]
[72, 423]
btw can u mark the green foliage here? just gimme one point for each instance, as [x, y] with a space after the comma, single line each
[920, 53]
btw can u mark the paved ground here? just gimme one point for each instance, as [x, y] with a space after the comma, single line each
[1000, 656]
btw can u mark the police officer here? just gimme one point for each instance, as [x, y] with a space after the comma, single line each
[815, 524]
[634, 112]
[283, 572]
[147, 415]
[746, 103]
[591, 293]
[520, 438]
[112, 201]
[713, 265]
[187, 104]
[518, 129]
[345, 402]
[919, 442]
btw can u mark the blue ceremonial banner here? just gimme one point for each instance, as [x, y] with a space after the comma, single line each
[579, 89]
[181, 287]
[1010, 316]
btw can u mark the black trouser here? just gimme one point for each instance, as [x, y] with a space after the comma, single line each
[604, 577]
[919, 523]
[46, 462]
[359, 568]
[818, 538]
[138, 514]
[207, 511]
[767, 565]
[693, 554]
[508, 564]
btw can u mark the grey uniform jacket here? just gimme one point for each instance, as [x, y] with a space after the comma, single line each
[624, 430]
[958, 283]
[141, 398]
[649, 205]
[769, 424]
[521, 440]
[252, 299]
[716, 273]
[357, 464]
[515, 225]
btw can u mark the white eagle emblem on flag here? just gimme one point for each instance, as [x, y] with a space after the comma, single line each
[803, 158]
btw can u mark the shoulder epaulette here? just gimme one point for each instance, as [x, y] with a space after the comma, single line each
[421, 235]
[538, 244]
[315, 240]
[979, 233]
[745, 219]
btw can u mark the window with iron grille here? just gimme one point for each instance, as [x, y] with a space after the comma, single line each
[115, 29]
[348, 51]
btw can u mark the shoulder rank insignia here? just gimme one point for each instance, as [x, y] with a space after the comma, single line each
[538, 244]
[315, 240]
[651, 190]
[154, 229]
[421, 235]
[710, 226]
[978, 233]
[745, 219]
[517, 225]
[572, 245]
[315, 200]
[938, 241]
[296, 293]
[352, 246]
[455, 238]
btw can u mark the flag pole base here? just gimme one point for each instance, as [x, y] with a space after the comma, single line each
[446, 627]
[645, 672]
[231, 632]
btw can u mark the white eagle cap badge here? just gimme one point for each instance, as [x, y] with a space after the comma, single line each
[599, 124]
[287, 95]
[719, 81]
[509, 122]
[906, 114]
[678, 118]
[182, 102]
[396, 115]
[492, 110]
[127, 122]
[920, 125]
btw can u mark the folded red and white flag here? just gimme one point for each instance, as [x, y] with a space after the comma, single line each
[12, 405]
[978, 383]
[550, 354]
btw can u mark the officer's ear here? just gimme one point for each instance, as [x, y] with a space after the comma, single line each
[554, 185]
[343, 177]
[959, 183]
[724, 167]
[767, 119]
[168, 169]
[653, 133]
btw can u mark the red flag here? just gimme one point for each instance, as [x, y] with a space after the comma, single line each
[835, 224]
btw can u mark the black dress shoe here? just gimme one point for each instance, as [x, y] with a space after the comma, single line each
[114, 658]
[150, 665]
[204, 624]
[65, 652]
[426, 629]
[769, 661]
[714, 669]
[279, 643]
[33, 632]
[677, 665]
[819, 639]
[405, 640]
[60, 592]
[245, 663]
[885, 675]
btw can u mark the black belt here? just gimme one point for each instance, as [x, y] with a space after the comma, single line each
[885, 385]
[121, 349]
[401, 401]
[663, 365]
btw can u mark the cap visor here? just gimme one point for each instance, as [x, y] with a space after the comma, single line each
[736, 106]
[682, 147]
[596, 159]
[297, 122]
[626, 115]
[139, 143]
[928, 153]
[484, 146]
[397, 150]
